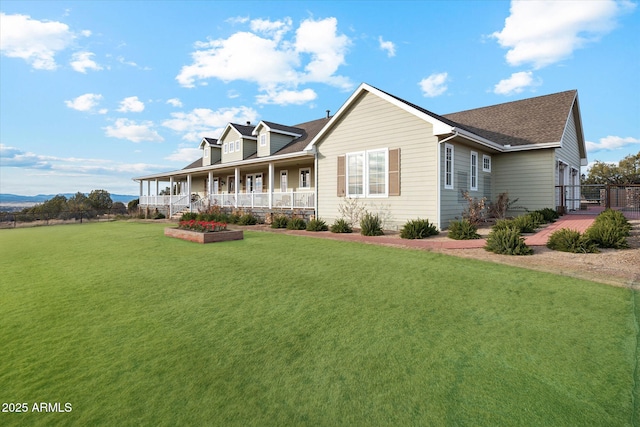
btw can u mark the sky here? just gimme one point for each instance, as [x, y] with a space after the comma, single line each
[94, 93]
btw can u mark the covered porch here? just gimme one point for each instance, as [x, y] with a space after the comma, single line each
[286, 185]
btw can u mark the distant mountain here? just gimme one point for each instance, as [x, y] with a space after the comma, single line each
[14, 199]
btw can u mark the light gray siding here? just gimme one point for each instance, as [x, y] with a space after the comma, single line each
[569, 152]
[372, 123]
[527, 176]
[453, 203]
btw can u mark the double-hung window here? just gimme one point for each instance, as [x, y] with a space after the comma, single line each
[367, 173]
[237, 145]
[305, 178]
[486, 163]
[448, 166]
[263, 140]
[473, 177]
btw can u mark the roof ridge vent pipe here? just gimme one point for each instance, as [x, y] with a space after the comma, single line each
[328, 112]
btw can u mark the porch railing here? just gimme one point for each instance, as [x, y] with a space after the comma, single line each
[279, 200]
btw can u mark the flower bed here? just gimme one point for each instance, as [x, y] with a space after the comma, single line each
[203, 232]
[202, 226]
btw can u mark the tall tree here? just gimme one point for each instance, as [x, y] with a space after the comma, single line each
[627, 171]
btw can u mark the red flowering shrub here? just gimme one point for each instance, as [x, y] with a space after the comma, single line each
[202, 226]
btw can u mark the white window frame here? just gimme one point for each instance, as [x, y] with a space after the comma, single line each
[231, 179]
[263, 140]
[206, 152]
[301, 183]
[284, 174]
[449, 164]
[473, 171]
[226, 148]
[237, 145]
[486, 160]
[366, 192]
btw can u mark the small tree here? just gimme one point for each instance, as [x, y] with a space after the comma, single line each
[100, 200]
[474, 212]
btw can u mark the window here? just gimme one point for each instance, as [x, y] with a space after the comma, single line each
[284, 180]
[367, 173]
[263, 140]
[473, 181]
[448, 166]
[225, 148]
[305, 178]
[486, 163]
[249, 183]
[254, 183]
[206, 152]
[238, 145]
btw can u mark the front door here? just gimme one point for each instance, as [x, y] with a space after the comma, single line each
[215, 186]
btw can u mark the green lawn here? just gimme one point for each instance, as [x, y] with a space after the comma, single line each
[134, 328]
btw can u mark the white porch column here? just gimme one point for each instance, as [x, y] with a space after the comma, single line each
[210, 189]
[271, 168]
[157, 191]
[170, 196]
[237, 179]
[141, 189]
[189, 191]
[149, 190]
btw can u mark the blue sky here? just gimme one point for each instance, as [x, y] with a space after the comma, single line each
[95, 93]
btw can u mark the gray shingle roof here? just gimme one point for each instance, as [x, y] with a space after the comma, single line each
[283, 128]
[244, 129]
[529, 121]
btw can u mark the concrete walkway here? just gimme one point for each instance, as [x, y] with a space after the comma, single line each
[574, 222]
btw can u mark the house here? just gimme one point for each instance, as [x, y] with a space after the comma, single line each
[263, 167]
[396, 158]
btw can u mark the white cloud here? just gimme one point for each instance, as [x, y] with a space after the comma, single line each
[271, 60]
[13, 157]
[387, 46]
[81, 62]
[609, 143]
[133, 131]
[516, 83]
[131, 104]
[185, 155]
[87, 102]
[201, 122]
[37, 42]
[175, 102]
[545, 32]
[434, 85]
[274, 29]
[286, 97]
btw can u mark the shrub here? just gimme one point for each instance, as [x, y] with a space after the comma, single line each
[474, 212]
[607, 235]
[507, 242]
[248, 219]
[188, 216]
[370, 225]
[418, 229]
[614, 217]
[537, 218]
[502, 224]
[234, 218]
[317, 225]
[567, 240]
[463, 230]
[297, 224]
[341, 226]
[280, 221]
[499, 208]
[525, 223]
[550, 215]
[159, 215]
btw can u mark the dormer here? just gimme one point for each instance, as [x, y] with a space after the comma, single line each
[237, 142]
[210, 151]
[272, 137]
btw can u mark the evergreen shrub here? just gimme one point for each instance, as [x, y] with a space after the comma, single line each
[418, 229]
[370, 225]
[507, 242]
[297, 224]
[280, 221]
[567, 240]
[463, 230]
[341, 226]
[317, 225]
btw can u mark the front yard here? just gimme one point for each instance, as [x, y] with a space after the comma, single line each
[134, 328]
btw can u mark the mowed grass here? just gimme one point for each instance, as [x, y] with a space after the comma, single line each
[135, 328]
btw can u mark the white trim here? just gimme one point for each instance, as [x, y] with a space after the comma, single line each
[263, 140]
[473, 176]
[486, 157]
[366, 169]
[451, 185]
[226, 148]
[285, 173]
[300, 178]
[237, 145]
